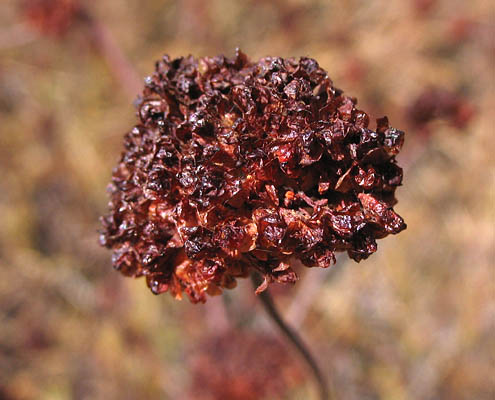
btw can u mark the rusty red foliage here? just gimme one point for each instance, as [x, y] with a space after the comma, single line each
[239, 166]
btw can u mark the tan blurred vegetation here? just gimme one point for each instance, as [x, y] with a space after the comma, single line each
[415, 321]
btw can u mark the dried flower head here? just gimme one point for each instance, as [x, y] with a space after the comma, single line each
[236, 365]
[238, 166]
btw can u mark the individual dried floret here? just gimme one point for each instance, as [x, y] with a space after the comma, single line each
[238, 366]
[237, 166]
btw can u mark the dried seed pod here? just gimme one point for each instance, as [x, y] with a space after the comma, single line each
[237, 166]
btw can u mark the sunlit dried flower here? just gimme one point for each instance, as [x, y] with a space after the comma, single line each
[238, 166]
[240, 366]
[51, 17]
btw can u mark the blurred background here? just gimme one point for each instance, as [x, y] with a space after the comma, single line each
[415, 321]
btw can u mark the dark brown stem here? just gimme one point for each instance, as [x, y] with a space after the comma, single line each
[293, 337]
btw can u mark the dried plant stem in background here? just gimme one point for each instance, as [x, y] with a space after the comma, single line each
[308, 291]
[56, 18]
[216, 315]
[15, 36]
[293, 337]
[120, 67]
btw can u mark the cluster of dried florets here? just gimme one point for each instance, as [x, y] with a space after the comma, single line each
[236, 365]
[237, 167]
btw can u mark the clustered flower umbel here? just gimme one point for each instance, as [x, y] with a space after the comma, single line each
[236, 167]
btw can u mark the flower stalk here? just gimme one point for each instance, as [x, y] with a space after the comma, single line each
[293, 337]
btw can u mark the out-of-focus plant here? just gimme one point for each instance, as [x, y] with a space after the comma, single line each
[237, 365]
[435, 103]
[56, 18]
[52, 17]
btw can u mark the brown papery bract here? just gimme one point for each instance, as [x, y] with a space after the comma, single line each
[237, 167]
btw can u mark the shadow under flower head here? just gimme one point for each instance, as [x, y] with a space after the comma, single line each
[239, 166]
